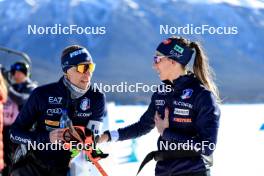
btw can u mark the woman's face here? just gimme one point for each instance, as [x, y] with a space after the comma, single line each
[163, 67]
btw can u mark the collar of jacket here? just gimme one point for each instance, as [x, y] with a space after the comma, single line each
[22, 85]
[182, 82]
[75, 91]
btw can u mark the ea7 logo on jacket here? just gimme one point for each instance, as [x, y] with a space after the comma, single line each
[55, 100]
[187, 93]
[159, 102]
[85, 104]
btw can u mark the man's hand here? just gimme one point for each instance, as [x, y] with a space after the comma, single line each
[162, 124]
[56, 135]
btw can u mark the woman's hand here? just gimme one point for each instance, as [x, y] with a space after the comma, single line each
[103, 138]
[160, 123]
[56, 135]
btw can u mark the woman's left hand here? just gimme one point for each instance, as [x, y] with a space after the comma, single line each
[160, 123]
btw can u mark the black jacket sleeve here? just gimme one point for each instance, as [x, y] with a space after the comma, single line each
[143, 126]
[100, 111]
[20, 131]
[95, 123]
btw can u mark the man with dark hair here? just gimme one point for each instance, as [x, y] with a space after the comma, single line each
[73, 94]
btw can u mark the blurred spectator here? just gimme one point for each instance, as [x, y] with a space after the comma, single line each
[22, 85]
[19, 91]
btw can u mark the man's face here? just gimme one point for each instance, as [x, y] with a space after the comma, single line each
[19, 77]
[81, 80]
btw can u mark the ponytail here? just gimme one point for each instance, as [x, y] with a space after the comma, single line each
[203, 71]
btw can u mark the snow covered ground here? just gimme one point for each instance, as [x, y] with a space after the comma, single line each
[240, 148]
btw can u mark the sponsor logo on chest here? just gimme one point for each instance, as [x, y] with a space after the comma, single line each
[159, 102]
[183, 112]
[186, 94]
[57, 111]
[183, 104]
[80, 114]
[55, 100]
[52, 123]
[85, 104]
[182, 120]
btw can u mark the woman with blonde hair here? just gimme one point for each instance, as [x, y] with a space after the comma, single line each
[187, 114]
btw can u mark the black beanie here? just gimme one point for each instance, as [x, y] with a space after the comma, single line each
[74, 58]
[20, 66]
[172, 48]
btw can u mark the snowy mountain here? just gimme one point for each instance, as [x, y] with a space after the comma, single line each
[257, 4]
[125, 52]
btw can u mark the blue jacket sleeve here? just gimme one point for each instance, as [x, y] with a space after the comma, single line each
[142, 127]
[20, 131]
[206, 124]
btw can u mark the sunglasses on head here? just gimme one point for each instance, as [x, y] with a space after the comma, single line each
[83, 68]
[157, 59]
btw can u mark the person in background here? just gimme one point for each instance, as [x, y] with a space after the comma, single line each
[19, 91]
[22, 86]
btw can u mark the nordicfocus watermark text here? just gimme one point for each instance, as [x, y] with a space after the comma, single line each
[59, 146]
[188, 145]
[190, 29]
[125, 87]
[59, 29]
